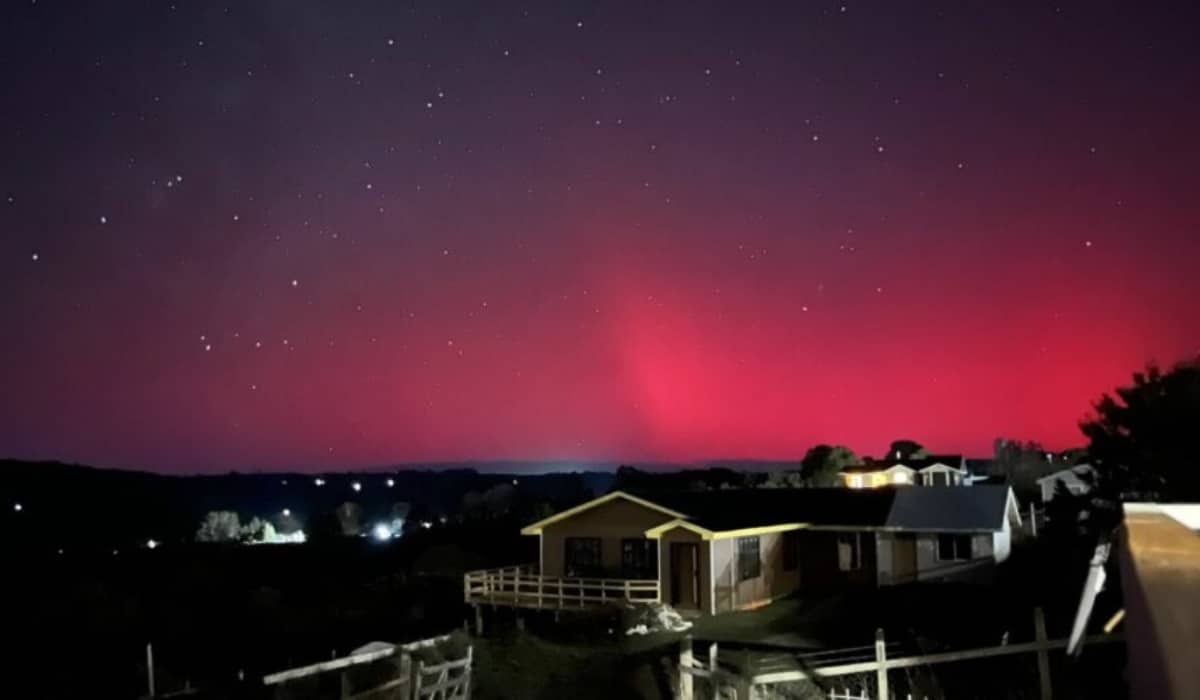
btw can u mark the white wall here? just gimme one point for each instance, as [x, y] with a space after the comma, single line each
[1002, 542]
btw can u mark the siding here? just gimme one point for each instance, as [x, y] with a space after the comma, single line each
[771, 583]
[611, 522]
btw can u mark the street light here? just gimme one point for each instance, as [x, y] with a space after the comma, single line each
[287, 512]
[356, 486]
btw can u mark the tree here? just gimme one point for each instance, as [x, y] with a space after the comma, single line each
[219, 526]
[1022, 464]
[906, 449]
[1144, 442]
[822, 464]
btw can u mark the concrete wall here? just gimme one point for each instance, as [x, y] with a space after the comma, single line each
[612, 521]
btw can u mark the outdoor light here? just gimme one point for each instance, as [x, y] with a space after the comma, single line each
[382, 532]
[17, 507]
[287, 512]
[151, 544]
[319, 481]
[356, 486]
[426, 524]
[391, 483]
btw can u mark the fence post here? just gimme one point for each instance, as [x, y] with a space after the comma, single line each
[712, 656]
[881, 677]
[406, 688]
[1032, 519]
[685, 665]
[1043, 656]
[150, 668]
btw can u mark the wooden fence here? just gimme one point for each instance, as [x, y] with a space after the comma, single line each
[387, 673]
[749, 671]
[524, 587]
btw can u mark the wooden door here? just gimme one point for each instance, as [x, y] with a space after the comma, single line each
[904, 557]
[685, 574]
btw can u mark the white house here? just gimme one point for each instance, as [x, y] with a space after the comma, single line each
[1078, 480]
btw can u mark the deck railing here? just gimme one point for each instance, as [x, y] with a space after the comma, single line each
[524, 586]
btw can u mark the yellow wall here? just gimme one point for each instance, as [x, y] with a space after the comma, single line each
[612, 521]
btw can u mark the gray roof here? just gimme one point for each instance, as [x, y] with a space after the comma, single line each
[979, 508]
[974, 508]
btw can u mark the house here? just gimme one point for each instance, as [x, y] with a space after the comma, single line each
[1077, 479]
[719, 551]
[940, 470]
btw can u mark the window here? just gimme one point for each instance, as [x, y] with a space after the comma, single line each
[791, 551]
[850, 551]
[749, 563]
[581, 556]
[639, 558]
[900, 477]
[954, 547]
[856, 482]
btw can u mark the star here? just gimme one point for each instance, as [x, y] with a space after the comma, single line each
[295, 283]
[34, 257]
[104, 219]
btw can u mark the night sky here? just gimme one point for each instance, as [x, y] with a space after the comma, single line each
[314, 235]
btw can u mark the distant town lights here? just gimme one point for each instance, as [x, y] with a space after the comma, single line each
[319, 481]
[17, 507]
[391, 483]
[356, 486]
[426, 524]
[151, 544]
[382, 532]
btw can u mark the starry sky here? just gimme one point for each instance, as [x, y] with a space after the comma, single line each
[327, 234]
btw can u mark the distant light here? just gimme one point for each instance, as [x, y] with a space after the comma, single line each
[382, 532]
[442, 519]
[356, 486]
[287, 512]
[391, 483]
[319, 481]
[18, 507]
[151, 544]
[514, 482]
[426, 524]
[285, 482]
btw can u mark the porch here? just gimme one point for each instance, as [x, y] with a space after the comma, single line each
[525, 587]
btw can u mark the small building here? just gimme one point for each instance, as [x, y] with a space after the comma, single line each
[939, 470]
[726, 550]
[1078, 480]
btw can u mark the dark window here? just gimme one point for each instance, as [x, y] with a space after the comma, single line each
[791, 551]
[954, 547]
[639, 559]
[850, 551]
[582, 556]
[749, 563]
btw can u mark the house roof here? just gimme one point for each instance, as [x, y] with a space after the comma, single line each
[980, 508]
[878, 465]
[1070, 474]
[975, 508]
[536, 528]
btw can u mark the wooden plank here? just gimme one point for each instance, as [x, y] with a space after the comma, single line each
[910, 661]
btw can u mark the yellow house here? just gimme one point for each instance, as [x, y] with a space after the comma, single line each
[719, 551]
[949, 470]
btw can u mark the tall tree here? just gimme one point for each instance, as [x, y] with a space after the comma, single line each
[822, 464]
[906, 449]
[1144, 441]
[1022, 464]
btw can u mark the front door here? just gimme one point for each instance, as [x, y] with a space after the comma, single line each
[904, 558]
[685, 575]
